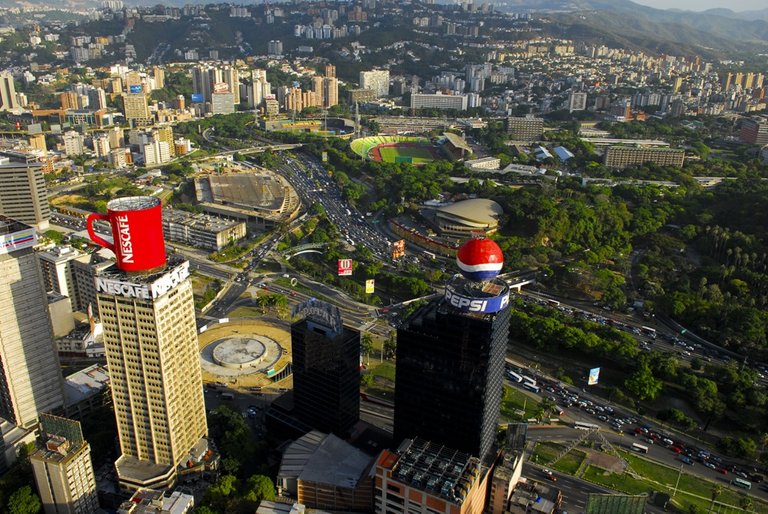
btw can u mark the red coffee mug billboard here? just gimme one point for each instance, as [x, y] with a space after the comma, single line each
[137, 231]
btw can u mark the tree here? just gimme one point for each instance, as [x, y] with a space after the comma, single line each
[390, 347]
[24, 501]
[259, 487]
[366, 345]
[717, 490]
[642, 384]
[203, 509]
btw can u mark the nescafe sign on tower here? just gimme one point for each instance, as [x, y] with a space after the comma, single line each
[137, 232]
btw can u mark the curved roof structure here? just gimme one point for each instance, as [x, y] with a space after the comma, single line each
[477, 213]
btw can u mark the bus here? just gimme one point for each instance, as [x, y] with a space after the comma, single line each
[528, 380]
[514, 376]
[580, 425]
[553, 303]
[531, 387]
[639, 448]
[740, 482]
[650, 332]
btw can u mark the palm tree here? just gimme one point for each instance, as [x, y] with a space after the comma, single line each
[717, 490]
[366, 346]
[745, 502]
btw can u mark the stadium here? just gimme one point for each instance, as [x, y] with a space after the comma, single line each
[397, 149]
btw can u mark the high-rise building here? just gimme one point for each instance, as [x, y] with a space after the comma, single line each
[754, 130]
[57, 265]
[23, 195]
[63, 469]
[97, 98]
[231, 77]
[150, 337]
[8, 100]
[326, 373]
[165, 134]
[526, 128]
[30, 376]
[377, 80]
[74, 143]
[136, 109]
[450, 362]
[275, 47]
[577, 101]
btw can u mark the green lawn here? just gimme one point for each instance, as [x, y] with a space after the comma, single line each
[417, 153]
[623, 482]
[514, 400]
[543, 453]
[246, 312]
[384, 370]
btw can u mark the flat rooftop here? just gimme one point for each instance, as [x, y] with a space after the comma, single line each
[436, 469]
[198, 220]
[85, 383]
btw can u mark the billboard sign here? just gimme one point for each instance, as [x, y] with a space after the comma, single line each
[135, 88]
[221, 87]
[369, 286]
[18, 240]
[594, 376]
[345, 267]
[198, 98]
[143, 290]
[486, 304]
[398, 249]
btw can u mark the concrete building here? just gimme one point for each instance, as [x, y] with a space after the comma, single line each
[754, 130]
[620, 157]
[360, 96]
[23, 195]
[222, 102]
[74, 143]
[8, 99]
[321, 471]
[101, 146]
[275, 47]
[63, 469]
[60, 313]
[150, 338]
[150, 501]
[525, 128]
[326, 369]
[136, 109]
[30, 375]
[438, 101]
[375, 80]
[427, 478]
[577, 101]
[201, 230]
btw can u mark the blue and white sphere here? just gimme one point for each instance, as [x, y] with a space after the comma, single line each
[480, 259]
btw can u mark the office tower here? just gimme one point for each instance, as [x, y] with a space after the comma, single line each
[330, 92]
[526, 128]
[754, 130]
[450, 358]
[202, 82]
[577, 101]
[30, 378]
[165, 135]
[326, 374]
[8, 98]
[150, 338]
[136, 109]
[23, 195]
[377, 80]
[63, 469]
[231, 77]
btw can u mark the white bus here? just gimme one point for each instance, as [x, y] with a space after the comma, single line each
[740, 482]
[650, 332]
[514, 376]
[580, 425]
[531, 387]
[553, 303]
[639, 448]
[528, 380]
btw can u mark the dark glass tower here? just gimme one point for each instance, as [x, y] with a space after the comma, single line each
[326, 370]
[450, 372]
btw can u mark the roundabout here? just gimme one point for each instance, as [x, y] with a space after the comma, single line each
[246, 352]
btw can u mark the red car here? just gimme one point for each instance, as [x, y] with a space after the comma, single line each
[722, 470]
[676, 449]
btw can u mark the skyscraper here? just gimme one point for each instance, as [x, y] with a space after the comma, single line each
[450, 365]
[23, 195]
[63, 469]
[150, 338]
[8, 98]
[136, 109]
[326, 373]
[30, 377]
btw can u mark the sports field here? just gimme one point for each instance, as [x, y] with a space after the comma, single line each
[396, 149]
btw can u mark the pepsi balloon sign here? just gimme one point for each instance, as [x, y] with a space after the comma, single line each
[480, 259]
